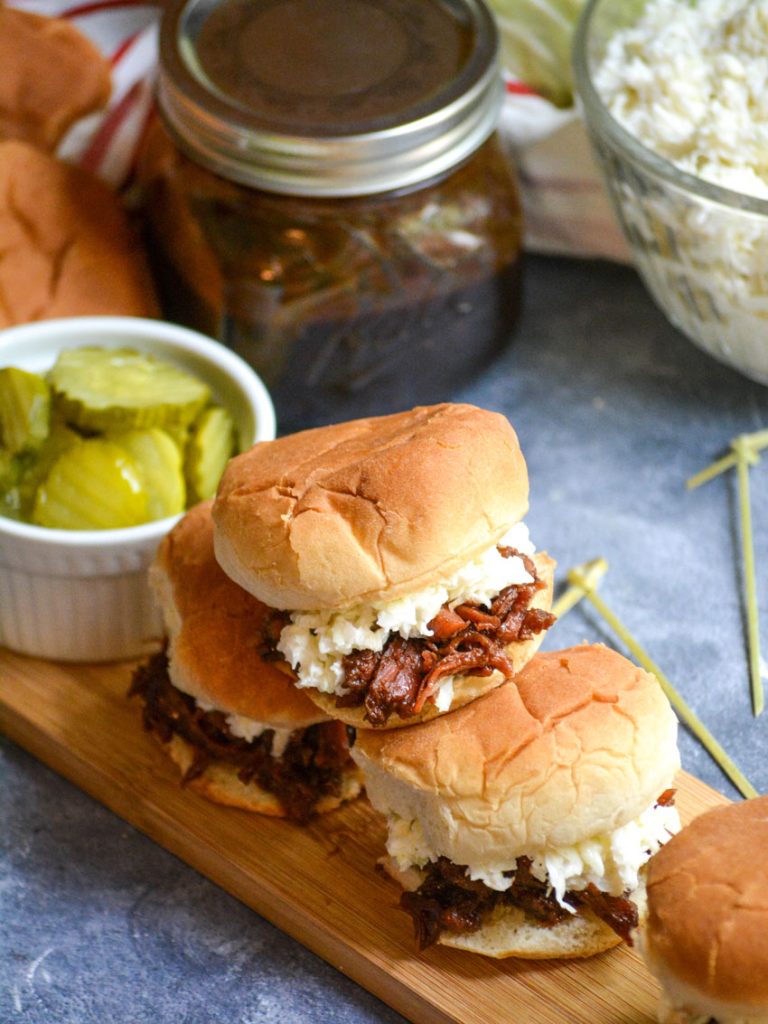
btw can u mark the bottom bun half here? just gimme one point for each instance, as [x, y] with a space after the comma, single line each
[466, 688]
[219, 783]
[512, 932]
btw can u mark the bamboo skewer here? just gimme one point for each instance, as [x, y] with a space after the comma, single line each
[583, 581]
[591, 573]
[750, 586]
[745, 453]
[753, 442]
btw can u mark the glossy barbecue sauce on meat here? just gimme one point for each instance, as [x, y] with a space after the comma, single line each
[467, 639]
[310, 767]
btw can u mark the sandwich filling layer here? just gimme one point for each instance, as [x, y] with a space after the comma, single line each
[599, 874]
[299, 770]
[249, 729]
[394, 657]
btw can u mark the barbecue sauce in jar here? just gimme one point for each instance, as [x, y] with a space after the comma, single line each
[327, 196]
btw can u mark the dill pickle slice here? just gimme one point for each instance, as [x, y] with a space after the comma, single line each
[94, 485]
[36, 467]
[211, 445]
[180, 435]
[158, 461]
[9, 469]
[107, 389]
[10, 473]
[25, 409]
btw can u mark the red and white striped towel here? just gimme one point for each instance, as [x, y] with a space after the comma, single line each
[566, 208]
[126, 33]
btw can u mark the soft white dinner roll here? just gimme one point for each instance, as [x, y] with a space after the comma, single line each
[705, 936]
[370, 508]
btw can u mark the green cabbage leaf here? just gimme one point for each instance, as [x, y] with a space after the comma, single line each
[536, 43]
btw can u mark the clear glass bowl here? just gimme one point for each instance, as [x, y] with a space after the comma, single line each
[701, 249]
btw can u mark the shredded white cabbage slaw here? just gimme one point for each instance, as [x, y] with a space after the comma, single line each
[612, 861]
[314, 643]
[249, 729]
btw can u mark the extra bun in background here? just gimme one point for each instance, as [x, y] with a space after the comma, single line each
[68, 249]
[705, 936]
[234, 723]
[504, 814]
[365, 532]
[52, 75]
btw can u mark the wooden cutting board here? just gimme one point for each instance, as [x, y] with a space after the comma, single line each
[317, 883]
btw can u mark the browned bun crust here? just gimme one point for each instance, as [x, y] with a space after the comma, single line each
[466, 688]
[369, 509]
[579, 743]
[52, 75]
[220, 784]
[69, 249]
[214, 629]
[706, 931]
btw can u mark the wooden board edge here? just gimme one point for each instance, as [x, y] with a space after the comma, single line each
[154, 822]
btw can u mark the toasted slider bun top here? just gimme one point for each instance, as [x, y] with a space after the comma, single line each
[68, 247]
[213, 626]
[706, 932]
[578, 743]
[369, 509]
[51, 76]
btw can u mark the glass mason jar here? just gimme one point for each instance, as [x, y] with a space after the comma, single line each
[326, 195]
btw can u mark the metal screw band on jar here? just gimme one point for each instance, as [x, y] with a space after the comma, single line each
[348, 116]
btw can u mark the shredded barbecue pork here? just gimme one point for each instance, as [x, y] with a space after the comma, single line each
[310, 766]
[449, 900]
[469, 638]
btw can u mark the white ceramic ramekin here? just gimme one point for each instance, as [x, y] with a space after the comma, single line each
[83, 595]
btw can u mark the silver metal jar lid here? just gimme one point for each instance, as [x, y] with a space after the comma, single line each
[329, 97]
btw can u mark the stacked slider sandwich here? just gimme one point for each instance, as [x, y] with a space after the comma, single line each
[388, 565]
[231, 719]
[395, 550]
[523, 796]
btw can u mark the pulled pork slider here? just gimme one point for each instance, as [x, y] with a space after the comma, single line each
[520, 825]
[234, 723]
[395, 547]
[705, 935]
